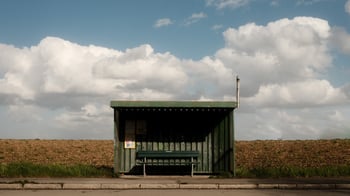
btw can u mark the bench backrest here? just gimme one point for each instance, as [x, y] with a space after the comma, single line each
[167, 154]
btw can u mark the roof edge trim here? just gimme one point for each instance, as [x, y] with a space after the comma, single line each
[173, 104]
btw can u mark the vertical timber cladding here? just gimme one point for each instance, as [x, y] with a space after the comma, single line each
[175, 126]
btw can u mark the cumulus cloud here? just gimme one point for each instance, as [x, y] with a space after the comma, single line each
[23, 113]
[221, 4]
[58, 73]
[91, 112]
[309, 93]
[194, 18]
[310, 123]
[72, 81]
[55, 66]
[341, 39]
[337, 116]
[58, 67]
[282, 51]
[347, 6]
[163, 22]
[281, 66]
[14, 64]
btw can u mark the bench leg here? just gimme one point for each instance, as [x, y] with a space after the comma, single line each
[191, 166]
[144, 166]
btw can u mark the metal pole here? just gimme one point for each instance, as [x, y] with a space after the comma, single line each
[234, 125]
[237, 90]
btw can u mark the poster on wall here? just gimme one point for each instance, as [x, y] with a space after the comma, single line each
[129, 144]
[129, 141]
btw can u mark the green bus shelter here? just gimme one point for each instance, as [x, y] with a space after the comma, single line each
[181, 136]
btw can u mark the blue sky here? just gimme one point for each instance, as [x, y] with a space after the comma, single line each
[189, 50]
[126, 24]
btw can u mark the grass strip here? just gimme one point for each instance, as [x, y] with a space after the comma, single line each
[25, 169]
[326, 171]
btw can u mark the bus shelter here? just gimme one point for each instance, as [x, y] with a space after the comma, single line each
[173, 137]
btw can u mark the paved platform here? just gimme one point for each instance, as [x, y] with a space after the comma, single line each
[170, 182]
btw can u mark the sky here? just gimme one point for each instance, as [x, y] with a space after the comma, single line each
[63, 61]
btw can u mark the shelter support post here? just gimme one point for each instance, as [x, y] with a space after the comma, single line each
[116, 142]
[232, 144]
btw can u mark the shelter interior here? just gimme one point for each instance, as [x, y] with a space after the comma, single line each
[207, 130]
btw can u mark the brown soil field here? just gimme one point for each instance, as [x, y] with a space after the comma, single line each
[299, 153]
[249, 154]
[67, 152]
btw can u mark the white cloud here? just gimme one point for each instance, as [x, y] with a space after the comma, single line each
[221, 4]
[276, 123]
[217, 27]
[346, 89]
[14, 63]
[60, 74]
[281, 66]
[282, 51]
[341, 39]
[274, 3]
[337, 116]
[308, 2]
[21, 112]
[140, 68]
[75, 83]
[58, 67]
[309, 93]
[194, 18]
[91, 121]
[209, 78]
[163, 22]
[90, 112]
[347, 6]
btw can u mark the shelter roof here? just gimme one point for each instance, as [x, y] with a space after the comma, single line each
[175, 104]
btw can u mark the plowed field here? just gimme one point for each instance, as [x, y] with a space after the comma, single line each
[249, 154]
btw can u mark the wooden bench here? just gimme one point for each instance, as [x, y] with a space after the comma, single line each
[189, 157]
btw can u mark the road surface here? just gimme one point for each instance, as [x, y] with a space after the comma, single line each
[253, 192]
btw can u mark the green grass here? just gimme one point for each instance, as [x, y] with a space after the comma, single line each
[25, 169]
[326, 171]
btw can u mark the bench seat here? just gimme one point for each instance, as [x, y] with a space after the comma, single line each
[190, 158]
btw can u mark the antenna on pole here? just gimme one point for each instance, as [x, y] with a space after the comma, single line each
[237, 90]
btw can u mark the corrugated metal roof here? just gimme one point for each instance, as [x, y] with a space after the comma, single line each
[174, 104]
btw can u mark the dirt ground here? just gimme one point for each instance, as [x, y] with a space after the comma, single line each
[68, 152]
[298, 153]
[249, 154]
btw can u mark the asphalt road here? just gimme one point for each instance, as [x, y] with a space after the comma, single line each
[253, 192]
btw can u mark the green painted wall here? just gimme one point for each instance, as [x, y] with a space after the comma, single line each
[209, 131]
